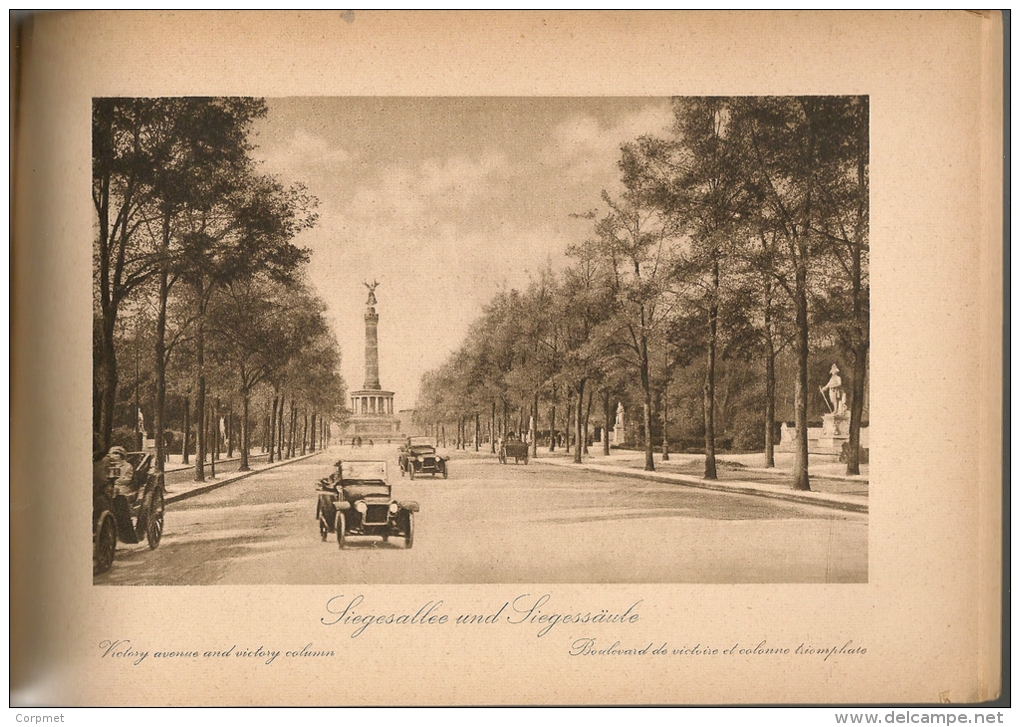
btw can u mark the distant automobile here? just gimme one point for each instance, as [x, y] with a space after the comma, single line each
[513, 448]
[417, 457]
[356, 500]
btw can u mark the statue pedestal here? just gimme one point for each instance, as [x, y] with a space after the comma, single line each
[835, 431]
[619, 434]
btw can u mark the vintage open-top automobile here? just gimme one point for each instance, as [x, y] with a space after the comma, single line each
[128, 519]
[356, 500]
[417, 457]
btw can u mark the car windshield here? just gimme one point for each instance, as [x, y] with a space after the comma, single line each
[423, 449]
[358, 490]
[370, 471]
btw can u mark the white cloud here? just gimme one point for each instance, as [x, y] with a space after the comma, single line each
[436, 184]
[302, 151]
[583, 147]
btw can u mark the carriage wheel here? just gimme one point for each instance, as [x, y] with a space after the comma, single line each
[341, 530]
[154, 521]
[105, 546]
[408, 529]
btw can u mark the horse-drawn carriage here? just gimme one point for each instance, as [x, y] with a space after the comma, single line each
[127, 514]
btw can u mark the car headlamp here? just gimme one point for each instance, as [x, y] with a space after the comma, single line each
[361, 507]
[394, 507]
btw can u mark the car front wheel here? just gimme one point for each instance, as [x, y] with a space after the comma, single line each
[408, 529]
[341, 530]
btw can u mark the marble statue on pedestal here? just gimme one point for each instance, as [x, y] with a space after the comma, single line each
[836, 394]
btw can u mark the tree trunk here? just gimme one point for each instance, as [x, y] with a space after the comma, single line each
[213, 435]
[292, 440]
[801, 480]
[492, 429]
[200, 399]
[315, 434]
[281, 427]
[288, 437]
[646, 390]
[245, 433]
[160, 409]
[217, 440]
[533, 428]
[186, 435]
[478, 431]
[570, 417]
[853, 461]
[665, 425]
[272, 431]
[770, 381]
[587, 417]
[770, 409]
[109, 395]
[304, 435]
[862, 324]
[552, 423]
[579, 422]
[230, 429]
[605, 429]
[713, 320]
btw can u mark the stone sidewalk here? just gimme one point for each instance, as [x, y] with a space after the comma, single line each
[739, 474]
[178, 491]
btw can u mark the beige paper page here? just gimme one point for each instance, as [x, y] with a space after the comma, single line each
[926, 622]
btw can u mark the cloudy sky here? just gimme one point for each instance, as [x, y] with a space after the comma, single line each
[443, 201]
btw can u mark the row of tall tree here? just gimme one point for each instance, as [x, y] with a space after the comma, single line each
[740, 242]
[198, 280]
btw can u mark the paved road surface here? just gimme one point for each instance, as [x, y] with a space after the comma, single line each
[492, 523]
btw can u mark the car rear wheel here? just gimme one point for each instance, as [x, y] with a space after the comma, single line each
[154, 522]
[105, 547]
[408, 529]
[341, 530]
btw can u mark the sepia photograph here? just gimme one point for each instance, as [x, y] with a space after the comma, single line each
[529, 358]
[542, 340]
